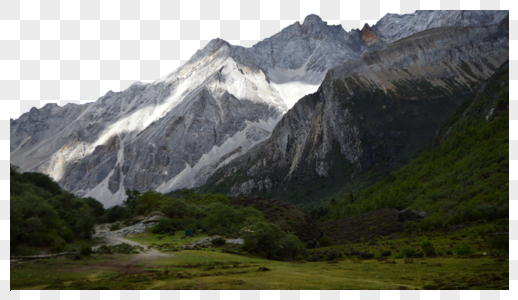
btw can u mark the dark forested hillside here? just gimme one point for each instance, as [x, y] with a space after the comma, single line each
[44, 215]
[462, 176]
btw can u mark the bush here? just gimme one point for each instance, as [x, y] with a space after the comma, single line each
[263, 237]
[408, 252]
[431, 223]
[290, 246]
[410, 227]
[325, 241]
[67, 234]
[58, 245]
[219, 241]
[331, 255]
[86, 251]
[453, 220]
[115, 226]
[340, 255]
[164, 226]
[465, 250]
[428, 248]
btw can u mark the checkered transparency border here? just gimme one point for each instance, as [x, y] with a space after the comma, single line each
[74, 51]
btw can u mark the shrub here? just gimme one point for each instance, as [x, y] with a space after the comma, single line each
[408, 252]
[263, 237]
[86, 251]
[219, 241]
[428, 248]
[292, 222]
[453, 220]
[340, 255]
[410, 227]
[431, 223]
[67, 234]
[58, 245]
[325, 241]
[465, 250]
[115, 226]
[290, 246]
[164, 226]
[331, 255]
[299, 257]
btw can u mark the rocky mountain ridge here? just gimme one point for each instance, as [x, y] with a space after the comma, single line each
[371, 114]
[177, 131]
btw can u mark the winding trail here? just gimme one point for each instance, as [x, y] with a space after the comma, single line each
[103, 233]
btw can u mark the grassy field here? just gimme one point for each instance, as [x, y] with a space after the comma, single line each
[215, 269]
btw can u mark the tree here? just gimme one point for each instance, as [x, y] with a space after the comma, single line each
[96, 206]
[263, 237]
[131, 200]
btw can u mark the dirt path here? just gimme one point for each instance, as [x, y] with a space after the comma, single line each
[147, 256]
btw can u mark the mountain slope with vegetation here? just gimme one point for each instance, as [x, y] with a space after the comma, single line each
[462, 177]
[46, 217]
[369, 117]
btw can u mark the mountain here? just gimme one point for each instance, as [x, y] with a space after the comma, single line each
[370, 116]
[219, 102]
[463, 177]
[177, 131]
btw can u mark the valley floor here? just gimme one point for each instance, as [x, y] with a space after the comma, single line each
[215, 268]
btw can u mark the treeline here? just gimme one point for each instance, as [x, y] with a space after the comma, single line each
[462, 177]
[212, 214]
[44, 215]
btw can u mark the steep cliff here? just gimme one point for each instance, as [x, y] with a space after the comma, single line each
[369, 116]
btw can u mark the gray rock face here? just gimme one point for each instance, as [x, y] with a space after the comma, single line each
[409, 87]
[145, 136]
[393, 27]
[304, 52]
[177, 131]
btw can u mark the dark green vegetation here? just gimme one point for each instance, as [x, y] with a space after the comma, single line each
[45, 217]
[322, 268]
[287, 216]
[462, 177]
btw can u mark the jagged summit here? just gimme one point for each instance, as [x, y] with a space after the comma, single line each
[313, 20]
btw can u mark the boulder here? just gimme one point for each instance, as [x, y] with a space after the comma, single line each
[411, 215]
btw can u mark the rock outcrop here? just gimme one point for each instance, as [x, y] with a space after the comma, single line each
[411, 215]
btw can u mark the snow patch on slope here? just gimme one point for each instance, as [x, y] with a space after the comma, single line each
[291, 92]
[101, 191]
[246, 139]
